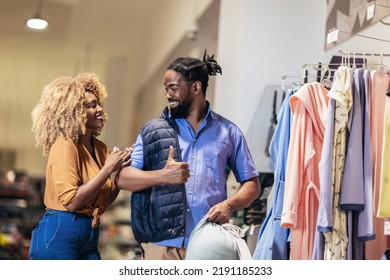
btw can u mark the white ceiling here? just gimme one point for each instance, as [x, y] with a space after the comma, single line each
[106, 25]
[145, 31]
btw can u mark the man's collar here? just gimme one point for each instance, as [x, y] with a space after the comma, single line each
[166, 113]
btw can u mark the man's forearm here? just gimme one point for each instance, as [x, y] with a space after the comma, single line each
[249, 191]
[133, 179]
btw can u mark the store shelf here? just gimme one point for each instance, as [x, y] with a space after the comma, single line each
[21, 207]
[117, 241]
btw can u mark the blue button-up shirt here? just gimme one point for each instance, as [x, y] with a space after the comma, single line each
[218, 145]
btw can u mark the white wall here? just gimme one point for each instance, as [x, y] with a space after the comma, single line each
[361, 43]
[259, 42]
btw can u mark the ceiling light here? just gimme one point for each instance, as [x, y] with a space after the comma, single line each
[37, 22]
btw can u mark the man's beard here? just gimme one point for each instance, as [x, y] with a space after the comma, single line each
[181, 110]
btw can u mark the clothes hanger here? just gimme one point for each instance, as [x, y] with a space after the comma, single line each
[326, 81]
[295, 83]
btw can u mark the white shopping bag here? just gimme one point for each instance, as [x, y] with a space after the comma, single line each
[211, 241]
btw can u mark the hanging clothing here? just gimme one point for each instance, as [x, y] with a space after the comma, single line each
[377, 99]
[351, 221]
[356, 196]
[336, 239]
[380, 82]
[366, 230]
[325, 213]
[272, 243]
[352, 193]
[384, 192]
[300, 206]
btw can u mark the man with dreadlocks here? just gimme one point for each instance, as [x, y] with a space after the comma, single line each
[164, 213]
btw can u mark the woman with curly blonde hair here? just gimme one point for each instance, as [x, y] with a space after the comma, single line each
[66, 121]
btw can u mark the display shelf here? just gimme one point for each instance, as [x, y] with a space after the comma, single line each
[21, 207]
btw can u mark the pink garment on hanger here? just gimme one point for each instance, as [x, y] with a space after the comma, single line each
[300, 206]
[377, 101]
[374, 249]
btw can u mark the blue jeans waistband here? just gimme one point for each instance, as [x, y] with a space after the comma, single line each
[70, 214]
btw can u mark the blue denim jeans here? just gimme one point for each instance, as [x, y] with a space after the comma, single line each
[61, 235]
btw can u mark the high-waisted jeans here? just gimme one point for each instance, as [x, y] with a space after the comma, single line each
[61, 235]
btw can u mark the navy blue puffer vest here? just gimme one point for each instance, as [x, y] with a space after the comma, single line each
[158, 213]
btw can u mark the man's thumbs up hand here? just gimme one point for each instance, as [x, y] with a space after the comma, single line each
[175, 172]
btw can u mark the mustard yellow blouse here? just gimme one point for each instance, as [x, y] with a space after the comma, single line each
[69, 166]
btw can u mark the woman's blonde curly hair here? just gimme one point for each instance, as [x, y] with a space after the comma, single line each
[61, 111]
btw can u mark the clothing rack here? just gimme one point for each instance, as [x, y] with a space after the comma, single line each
[322, 67]
[348, 55]
[297, 83]
[363, 54]
[319, 67]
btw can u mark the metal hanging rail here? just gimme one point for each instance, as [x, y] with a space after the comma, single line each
[363, 54]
